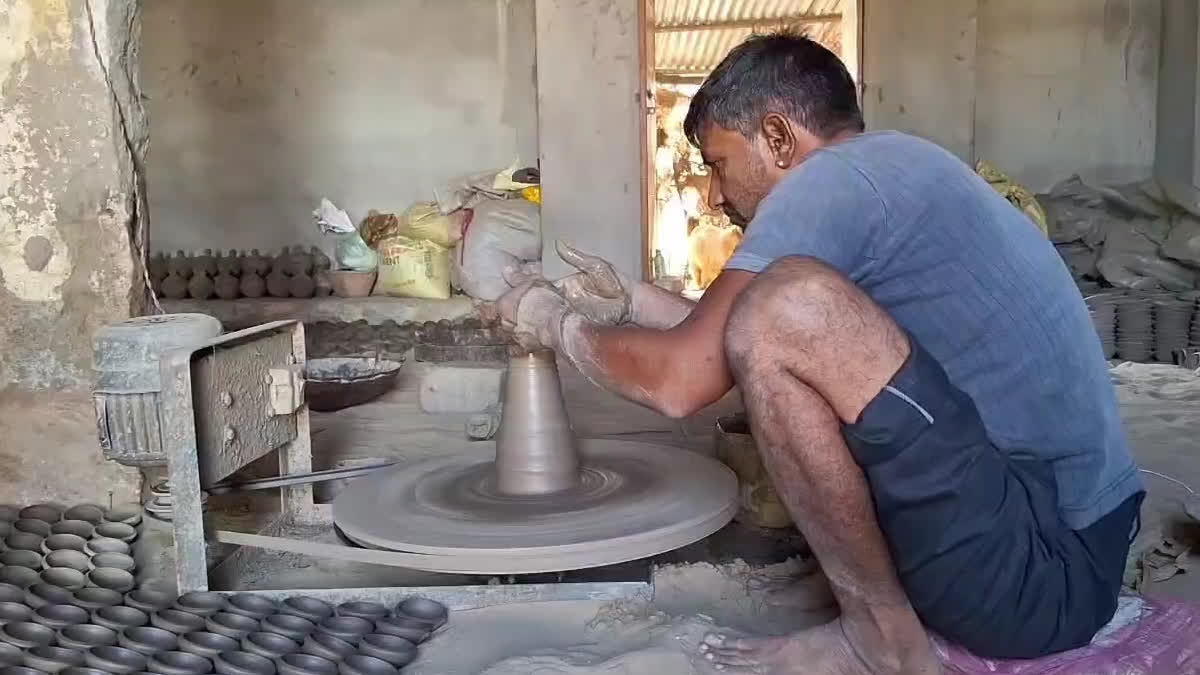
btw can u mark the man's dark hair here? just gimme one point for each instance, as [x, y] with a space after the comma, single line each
[786, 73]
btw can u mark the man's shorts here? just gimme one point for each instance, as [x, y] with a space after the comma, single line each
[974, 532]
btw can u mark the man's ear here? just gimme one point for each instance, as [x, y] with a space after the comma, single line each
[781, 140]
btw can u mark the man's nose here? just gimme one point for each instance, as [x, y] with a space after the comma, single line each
[715, 198]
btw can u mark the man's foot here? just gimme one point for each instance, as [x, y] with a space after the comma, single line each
[825, 650]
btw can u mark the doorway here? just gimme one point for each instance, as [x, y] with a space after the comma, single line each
[687, 242]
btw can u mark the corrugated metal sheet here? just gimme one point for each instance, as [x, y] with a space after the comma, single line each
[699, 51]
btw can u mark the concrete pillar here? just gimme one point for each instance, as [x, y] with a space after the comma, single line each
[1176, 159]
[589, 108]
[71, 216]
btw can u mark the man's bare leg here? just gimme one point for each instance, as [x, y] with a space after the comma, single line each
[809, 351]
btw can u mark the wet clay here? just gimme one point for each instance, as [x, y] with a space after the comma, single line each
[547, 502]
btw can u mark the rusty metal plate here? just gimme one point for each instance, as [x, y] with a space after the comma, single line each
[232, 397]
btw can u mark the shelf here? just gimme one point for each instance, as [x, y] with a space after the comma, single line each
[238, 314]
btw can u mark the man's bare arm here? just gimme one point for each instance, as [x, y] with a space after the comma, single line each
[676, 371]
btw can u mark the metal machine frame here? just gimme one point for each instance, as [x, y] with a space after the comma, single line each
[239, 397]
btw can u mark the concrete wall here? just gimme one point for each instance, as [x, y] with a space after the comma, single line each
[70, 220]
[258, 109]
[1176, 159]
[1040, 89]
[590, 106]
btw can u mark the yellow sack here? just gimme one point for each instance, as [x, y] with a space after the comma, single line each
[1017, 195]
[412, 268]
[423, 220]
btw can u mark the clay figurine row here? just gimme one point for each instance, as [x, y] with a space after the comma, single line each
[294, 273]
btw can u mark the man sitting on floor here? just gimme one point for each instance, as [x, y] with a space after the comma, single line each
[919, 370]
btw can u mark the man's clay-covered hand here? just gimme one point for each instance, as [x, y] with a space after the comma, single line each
[597, 291]
[533, 311]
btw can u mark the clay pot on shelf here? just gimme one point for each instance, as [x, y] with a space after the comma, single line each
[201, 286]
[299, 262]
[174, 287]
[252, 285]
[301, 286]
[230, 264]
[352, 284]
[205, 263]
[321, 262]
[180, 265]
[227, 286]
[322, 284]
[278, 283]
[257, 263]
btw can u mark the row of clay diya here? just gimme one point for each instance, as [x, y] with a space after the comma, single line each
[294, 273]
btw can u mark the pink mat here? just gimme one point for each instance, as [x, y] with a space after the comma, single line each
[1162, 639]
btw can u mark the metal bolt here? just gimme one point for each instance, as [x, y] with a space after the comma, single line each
[226, 399]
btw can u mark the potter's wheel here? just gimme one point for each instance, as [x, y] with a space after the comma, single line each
[633, 500]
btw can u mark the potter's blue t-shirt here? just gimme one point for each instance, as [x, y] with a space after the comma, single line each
[977, 284]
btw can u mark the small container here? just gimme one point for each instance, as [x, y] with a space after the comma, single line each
[92, 598]
[79, 528]
[327, 647]
[361, 664]
[24, 541]
[11, 593]
[201, 603]
[121, 531]
[22, 558]
[414, 631]
[10, 655]
[33, 526]
[64, 577]
[111, 578]
[20, 577]
[86, 512]
[85, 636]
[116, 660]
[64, 542]
[149, 600]
[148, 640]
[176, 621]
[290, 626]
[305, 664]
[231, 625]
[179, 663]
[348, 628]
[106, 545]
[431, 612]
[243, 663]
[42, 593]
[395, 650]
[352, 284]
[207, 645]
[74, 560]
[14, 612]
[26, 635]
[129, 515]
[118, 561]
[370, 611]
[269, 645]
[47, 512]
[52, 659]
[119, 618]
[253, 606]
[309, 608]
[57, 617]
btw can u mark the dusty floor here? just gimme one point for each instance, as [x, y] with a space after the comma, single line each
[1161, 405]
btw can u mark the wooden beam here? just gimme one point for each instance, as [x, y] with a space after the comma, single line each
[801, 19]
